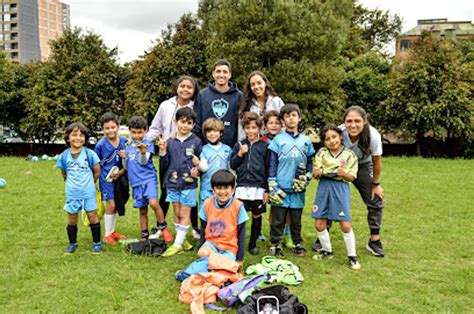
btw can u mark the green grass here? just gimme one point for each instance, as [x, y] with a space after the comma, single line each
[427, 235]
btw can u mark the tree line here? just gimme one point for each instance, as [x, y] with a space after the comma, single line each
[322, 55]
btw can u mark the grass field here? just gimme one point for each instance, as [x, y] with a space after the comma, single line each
[427, 235]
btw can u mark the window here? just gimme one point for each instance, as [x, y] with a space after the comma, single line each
[13, 7]
[14, 55]
[6, 17]
[14, 16]
[6, 27]
[6, 7]
[14, 36]
[14, 26]
[14, 46]
[405, 45]
[6, 37]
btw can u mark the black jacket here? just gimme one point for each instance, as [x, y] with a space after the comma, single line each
[252, 168]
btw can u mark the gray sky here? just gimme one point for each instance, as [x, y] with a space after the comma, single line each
[134, 25]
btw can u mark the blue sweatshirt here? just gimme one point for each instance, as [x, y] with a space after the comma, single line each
[211, 103]
[178, 163]
[252, 168]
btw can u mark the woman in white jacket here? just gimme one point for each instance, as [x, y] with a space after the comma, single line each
[163, 126]
[259, 97]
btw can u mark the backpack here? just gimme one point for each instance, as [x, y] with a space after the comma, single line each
[241, 289]
[150, 247]
[196, 267]
[287, 303]
[88, 158]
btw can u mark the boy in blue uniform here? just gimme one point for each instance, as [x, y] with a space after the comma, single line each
[179, 158]
[80, 169]
[214, 156]
[142, 176]
[250, 161]
[290, 171]
[108, 150]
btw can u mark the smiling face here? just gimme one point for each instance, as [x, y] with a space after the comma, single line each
[332, 141]
[252, 131]
[213, 136]
[354, 124]
[76, 139]
[258, 86]
[221, 75]
[184, 126]
[292, 119]
[273, 126]
[137, 134]
[110, 129]
[223, 193]
[185, 90]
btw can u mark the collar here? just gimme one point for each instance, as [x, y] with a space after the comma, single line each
[216, 203]
[292, 134]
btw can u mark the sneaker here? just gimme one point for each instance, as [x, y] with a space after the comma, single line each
[276, 250]
[110, 240]
[299, 250]
[261, 237]
[254, 251]
[71, 248]
[317, 246]
[354, 263]
[117, 236]
[287, 241]
[323, 255]
[172, 251]
[155, 233]
[97, 248]
[375, 247]
[186, 246]
[167, 236]
[196, 235]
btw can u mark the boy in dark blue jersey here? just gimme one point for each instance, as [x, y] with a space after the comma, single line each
[290, 171]
[178, 157]
[108, 149]
[142, 176]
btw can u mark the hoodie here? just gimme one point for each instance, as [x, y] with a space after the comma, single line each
[211, 103]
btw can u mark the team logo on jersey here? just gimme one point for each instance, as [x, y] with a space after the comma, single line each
[217, 228]
[220, 107]
[315, 208]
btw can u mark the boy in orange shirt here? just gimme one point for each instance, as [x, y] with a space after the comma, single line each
[223, 220]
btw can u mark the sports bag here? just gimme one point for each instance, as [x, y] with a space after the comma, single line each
[288, 303]
[150, 247]
[241, 289]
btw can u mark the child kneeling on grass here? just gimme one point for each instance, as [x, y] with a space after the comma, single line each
[223, 220]
[80, 169]
[335, 166]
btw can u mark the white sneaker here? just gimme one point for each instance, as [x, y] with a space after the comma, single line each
[196, 235]
[155, 235]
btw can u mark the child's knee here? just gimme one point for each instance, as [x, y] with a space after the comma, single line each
[72, 219]
[204, 251]
[320, 224]
[346, 226]
[143, 211]
[92, 215]
[110, 207]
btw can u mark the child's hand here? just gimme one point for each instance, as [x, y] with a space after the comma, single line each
[196, 160]
[194, 172]
[244, 148]
[341, 172]
[316, 171]
[142, 147]
[265, 198]
[122, 154]
[162, 144]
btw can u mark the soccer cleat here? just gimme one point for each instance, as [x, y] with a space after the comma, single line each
[375, 247]
[117, 236]
[155, 233]
[71, 248]
[287, 241]
[317, 246]
[167, 236]
[354, 263]
[323, 255]
[172, 251]
[196, 235]
[254, 251]
[276, 250]
[186, 246]
[261, 237]
[97, 248]
[110, 240]
[299, 250]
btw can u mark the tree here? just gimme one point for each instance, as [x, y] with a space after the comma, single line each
[296, 43]
[429, 92]
[180, 51]
[80, 81]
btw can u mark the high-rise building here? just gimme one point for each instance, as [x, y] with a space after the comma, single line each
[27, 26]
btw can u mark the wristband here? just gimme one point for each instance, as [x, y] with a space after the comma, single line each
[375, 183]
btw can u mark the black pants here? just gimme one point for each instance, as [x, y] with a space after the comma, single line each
[163, 203]
[257, 208]
[279, 220]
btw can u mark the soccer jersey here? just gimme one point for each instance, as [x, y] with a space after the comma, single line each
[109, 155]
[79, 175]
[217, 157]
[140, 174]
[329, 162]
[222, 223]
[293, 152]
[375, 145]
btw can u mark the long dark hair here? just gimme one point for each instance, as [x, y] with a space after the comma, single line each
[364, 136]
[246, 99]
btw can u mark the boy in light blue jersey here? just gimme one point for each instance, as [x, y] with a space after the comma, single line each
[80, 169]
[214, 156]
[290, 171]
[138, 161]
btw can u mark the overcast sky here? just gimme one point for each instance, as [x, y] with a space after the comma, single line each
[133, 25]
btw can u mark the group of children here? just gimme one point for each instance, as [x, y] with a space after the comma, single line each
[272, 165]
